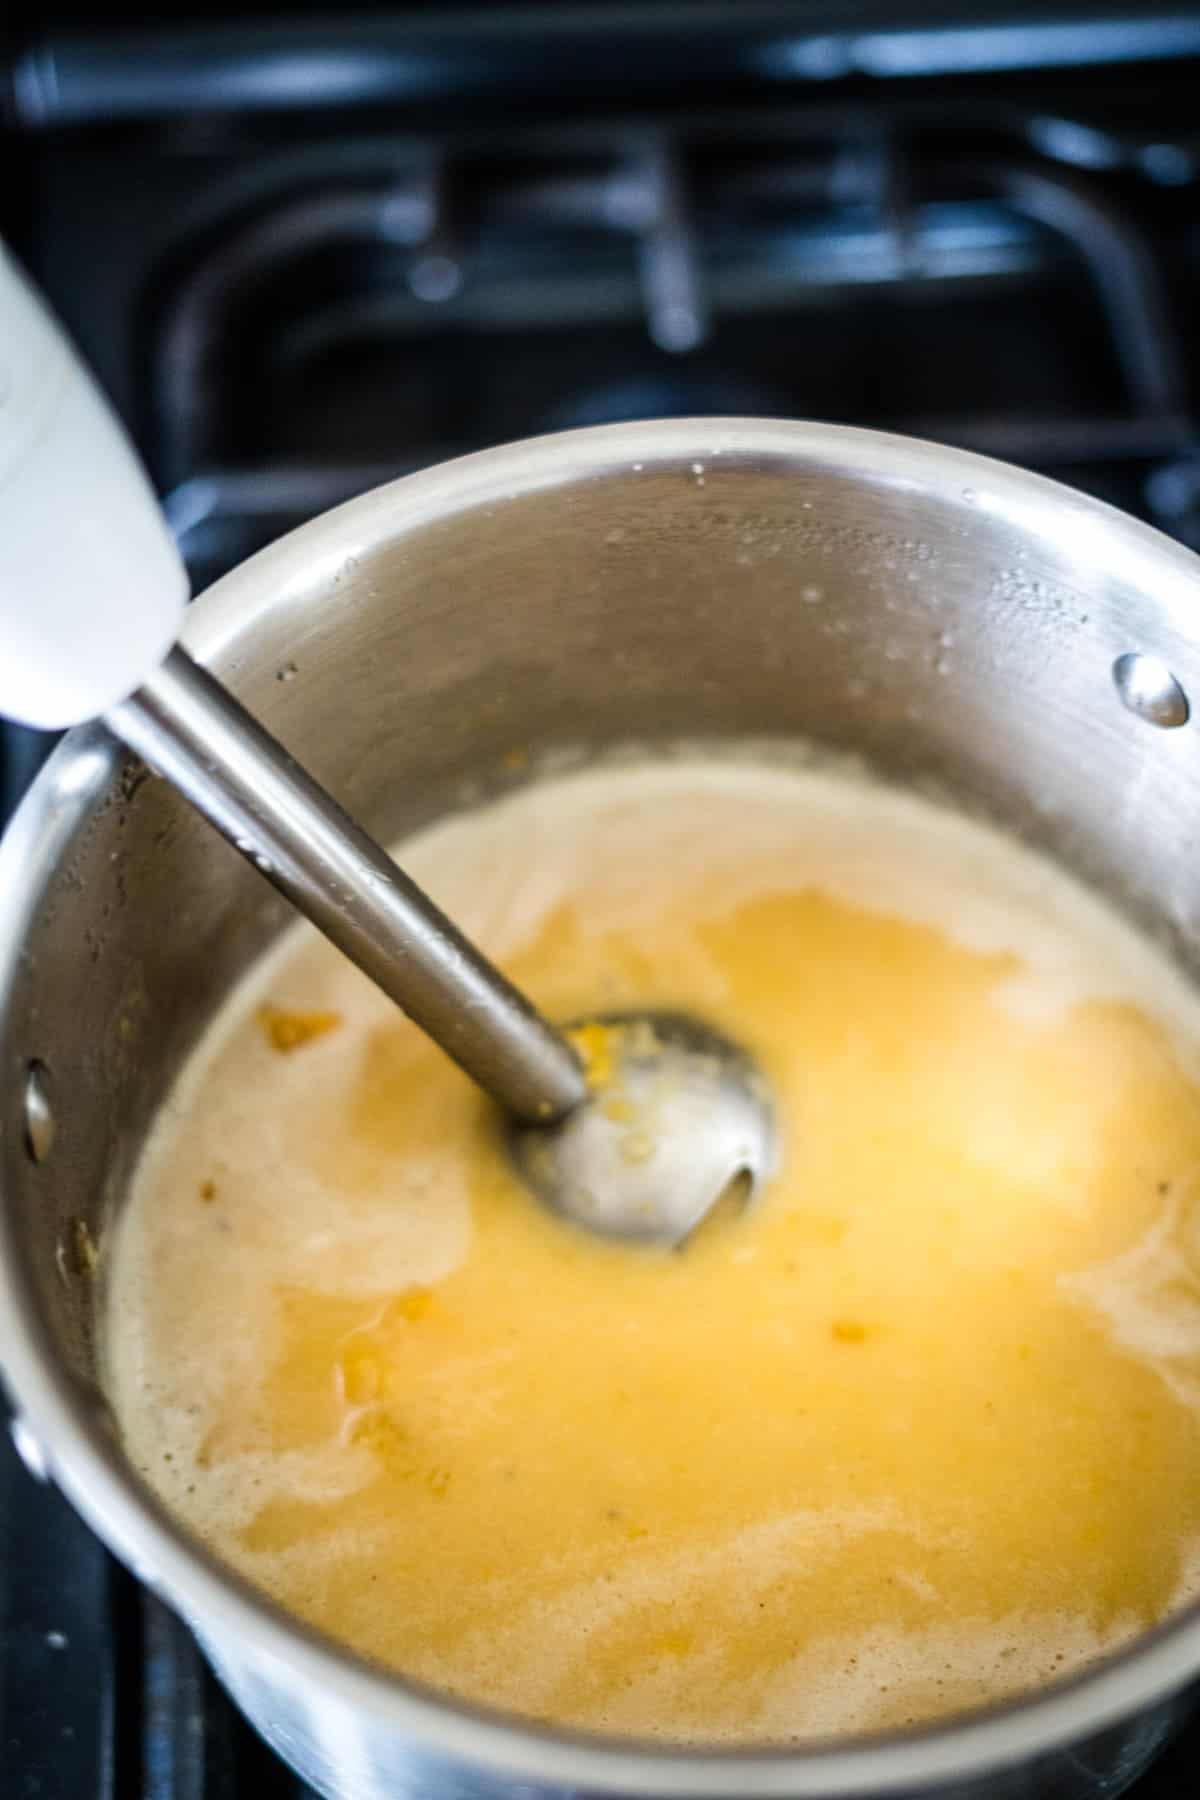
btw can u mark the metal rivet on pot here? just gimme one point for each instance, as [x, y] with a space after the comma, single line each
[1148, 688]
[39, 1118]
[28, 1448]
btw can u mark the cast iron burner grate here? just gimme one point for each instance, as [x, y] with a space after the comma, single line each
[343, 325]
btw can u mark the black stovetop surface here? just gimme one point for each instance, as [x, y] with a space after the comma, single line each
[305, 255]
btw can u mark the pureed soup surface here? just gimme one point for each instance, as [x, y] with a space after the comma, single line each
[920, 1431]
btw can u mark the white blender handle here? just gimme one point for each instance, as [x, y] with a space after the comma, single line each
[92, 591]
[92, 587]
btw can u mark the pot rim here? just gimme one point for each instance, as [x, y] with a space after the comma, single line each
[69, 1426]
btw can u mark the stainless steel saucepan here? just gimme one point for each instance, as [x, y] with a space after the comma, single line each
[1029, 652]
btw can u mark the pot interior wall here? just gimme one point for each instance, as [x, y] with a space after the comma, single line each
[952, 637]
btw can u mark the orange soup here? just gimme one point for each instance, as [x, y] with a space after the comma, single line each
[918, 1431]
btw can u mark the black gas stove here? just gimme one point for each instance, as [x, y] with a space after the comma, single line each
[306, 255]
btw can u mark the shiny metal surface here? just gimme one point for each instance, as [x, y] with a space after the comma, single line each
[1148, 688]
[186, 726]
[690, 1133]
[703, 1117]
[39, 1115]
[33, 1458]
[952, 621]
